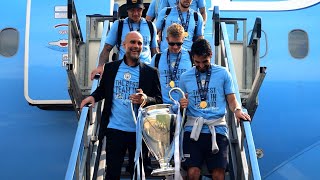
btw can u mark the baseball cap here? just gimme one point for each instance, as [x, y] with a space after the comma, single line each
[135, 4]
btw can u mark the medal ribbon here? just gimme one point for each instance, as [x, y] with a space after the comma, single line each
[172, 74]
[185, 25]
[203, 91]
[131, 27]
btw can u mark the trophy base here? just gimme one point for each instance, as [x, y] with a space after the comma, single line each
[163, 172]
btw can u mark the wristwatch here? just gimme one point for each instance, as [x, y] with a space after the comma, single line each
[237, 108]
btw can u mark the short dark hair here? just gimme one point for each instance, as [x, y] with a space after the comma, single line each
[201, 47]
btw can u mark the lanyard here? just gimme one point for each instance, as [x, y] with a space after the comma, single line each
[131, 27]
[173, 73]
[203, 90]
[185, 25]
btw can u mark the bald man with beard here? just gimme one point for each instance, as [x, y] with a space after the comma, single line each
[120, 82]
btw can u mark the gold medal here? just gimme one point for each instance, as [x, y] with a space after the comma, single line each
[171, 84]
[186, 34]
[203, 104]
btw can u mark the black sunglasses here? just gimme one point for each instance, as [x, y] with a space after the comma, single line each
[175, 43]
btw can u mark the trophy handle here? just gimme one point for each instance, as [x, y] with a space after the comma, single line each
[176, 89]
[144, 96]
[141, 105]
[183, 95]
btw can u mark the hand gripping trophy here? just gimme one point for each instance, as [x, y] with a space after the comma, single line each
[159, 126]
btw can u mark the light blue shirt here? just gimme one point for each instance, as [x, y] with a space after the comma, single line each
[184, 65]
[169, 3]
[220, 85]
[145, 55]
[125, 84]
[195, 4]
[155, 7]
[173, 17]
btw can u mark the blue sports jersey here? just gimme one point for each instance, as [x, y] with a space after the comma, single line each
[184, 65]
[195, 4]
[145, 55]
[125, 84]
[173, 17]
[169, 3]
[154, 8]
[220, 85]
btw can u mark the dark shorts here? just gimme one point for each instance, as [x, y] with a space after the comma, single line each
[198, 152]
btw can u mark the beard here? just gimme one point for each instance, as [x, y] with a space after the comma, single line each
[134, 57]
[185, 5]
[203, 70]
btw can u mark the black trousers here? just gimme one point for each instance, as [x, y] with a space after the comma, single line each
[118, 143]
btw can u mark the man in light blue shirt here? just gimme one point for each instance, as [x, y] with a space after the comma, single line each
[209, 89]
[134, 22]
[184, 15]
[172, 62]
[154, 8]
[197, 5]
[120, 82]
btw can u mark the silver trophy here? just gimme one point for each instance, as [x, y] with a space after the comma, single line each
[158, 130]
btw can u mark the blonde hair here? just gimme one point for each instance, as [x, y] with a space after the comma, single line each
[175, 30]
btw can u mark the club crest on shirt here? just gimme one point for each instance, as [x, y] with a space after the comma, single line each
[127, 76]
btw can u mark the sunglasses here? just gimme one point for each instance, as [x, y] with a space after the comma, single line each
[175, 43]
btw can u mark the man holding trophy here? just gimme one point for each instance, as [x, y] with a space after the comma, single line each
[208, 89]
[120, 83]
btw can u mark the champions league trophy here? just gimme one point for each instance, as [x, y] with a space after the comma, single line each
[157, 129]
[160, 128]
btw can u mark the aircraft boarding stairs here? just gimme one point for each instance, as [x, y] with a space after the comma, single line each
[240, 57]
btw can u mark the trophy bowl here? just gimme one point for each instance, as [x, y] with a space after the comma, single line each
[158, 129]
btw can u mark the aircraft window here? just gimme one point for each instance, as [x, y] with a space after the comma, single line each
[9, 41]
[298, 43]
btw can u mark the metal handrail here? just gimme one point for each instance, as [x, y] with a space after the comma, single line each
[246, 124]
[71, 13]
[77, 144]
[80, 142]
